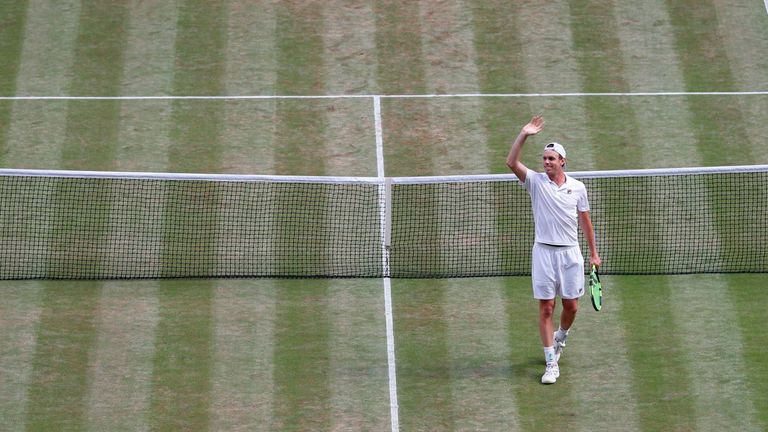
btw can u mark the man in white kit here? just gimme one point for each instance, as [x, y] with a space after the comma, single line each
[559, 205]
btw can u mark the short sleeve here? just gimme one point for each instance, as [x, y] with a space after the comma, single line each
[582, 204]
[529, 179]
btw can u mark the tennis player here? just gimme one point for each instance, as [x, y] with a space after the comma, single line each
[559, 205]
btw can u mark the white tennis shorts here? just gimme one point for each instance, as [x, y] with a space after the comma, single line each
[557, 271]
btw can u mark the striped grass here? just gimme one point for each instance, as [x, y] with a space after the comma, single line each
[298, 137]
[408, 133]
[91, 130]
[527, 362]
[457, 136]
[36, 135]
[598, 55]
[498, 48]
[50, 32]
[667, 410]
[349, 143]
[745, 296]
[743, 25]
[565, 123]
[251, 68]
[718, 123]
[182, 363]
[358, 381]
[663, 131]
[298, 143]
[66, 336]
[408, 137]
[715, 355]
[299, 46]
[143, 139]
[97, 68]
[199, 68]
[448, 48]
[301, 356]
[350, 47]
[748, 69]
[599, 46]
[661, 382]
[550, 64]
[251, 64]
[479, 356]
[300, 70]
[423, 366]
[195, 131]
[120, 375]
[526, 356]
[545, 37]
[500, 68]
[19, 321]
[248, 137]
[596, 361]
[641, 341]
[647, 46]
[672, 410]
[298, 355]
[36, 131]
[242, 383]
[12, 19]
[401, 70]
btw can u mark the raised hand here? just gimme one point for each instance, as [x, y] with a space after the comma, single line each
[534, 126]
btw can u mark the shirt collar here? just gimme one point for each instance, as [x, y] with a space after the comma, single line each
[566, 183]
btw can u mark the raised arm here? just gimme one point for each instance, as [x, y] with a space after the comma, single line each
[513, 158]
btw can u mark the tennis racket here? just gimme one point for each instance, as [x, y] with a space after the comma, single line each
[595, 289]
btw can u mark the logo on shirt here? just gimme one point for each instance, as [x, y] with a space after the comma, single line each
[569, 191]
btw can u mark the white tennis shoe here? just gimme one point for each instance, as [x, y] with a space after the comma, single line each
[559, 345]
[551, 374]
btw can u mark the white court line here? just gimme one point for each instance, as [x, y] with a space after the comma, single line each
[392, 370]
[378, 128]
[766, 6]
[522, 95]
[393, 406]
[400, 96]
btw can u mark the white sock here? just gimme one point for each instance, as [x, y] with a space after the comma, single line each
[561, 334]
[549, 355]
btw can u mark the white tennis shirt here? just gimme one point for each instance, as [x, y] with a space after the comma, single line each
[555, 208]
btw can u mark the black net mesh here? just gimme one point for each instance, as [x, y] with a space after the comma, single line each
[105, 228]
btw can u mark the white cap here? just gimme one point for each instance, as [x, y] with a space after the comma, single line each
[555, 147]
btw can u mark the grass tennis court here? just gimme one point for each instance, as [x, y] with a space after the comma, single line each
[666, 352]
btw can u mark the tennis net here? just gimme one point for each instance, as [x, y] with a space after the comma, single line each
[108, 225]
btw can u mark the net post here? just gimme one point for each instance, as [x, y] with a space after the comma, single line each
[385, 214]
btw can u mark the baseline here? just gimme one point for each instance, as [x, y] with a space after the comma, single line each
[393, 96]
